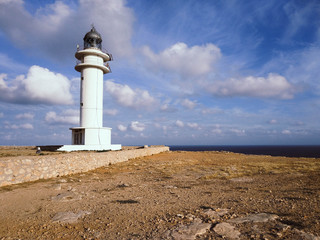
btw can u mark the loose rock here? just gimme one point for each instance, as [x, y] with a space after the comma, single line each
[259, 217]
[226, 230]
[215, 213]
[69, 217]
[67, 196]
[189, 232]
[307, 236]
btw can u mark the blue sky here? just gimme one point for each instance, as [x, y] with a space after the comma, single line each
[184, 72]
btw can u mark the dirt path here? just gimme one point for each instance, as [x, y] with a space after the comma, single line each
[173, 195]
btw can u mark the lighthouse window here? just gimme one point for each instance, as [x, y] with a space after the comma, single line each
[81, 104]
[81, 78]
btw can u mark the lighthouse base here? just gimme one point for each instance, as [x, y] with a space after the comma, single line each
[70, 148]
[90, 139]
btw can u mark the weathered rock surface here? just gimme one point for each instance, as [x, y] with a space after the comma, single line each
[66, 196]
[227, 230]
[214, 214]
[259, 217]
[307, 236]
[189, 232]
[69, 217]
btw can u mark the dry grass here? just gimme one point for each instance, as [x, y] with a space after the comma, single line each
[205, 166]
[15, 151]
[210, 165]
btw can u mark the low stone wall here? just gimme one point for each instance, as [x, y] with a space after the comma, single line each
[30, 168]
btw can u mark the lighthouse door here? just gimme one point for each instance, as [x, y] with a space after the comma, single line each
[78, 137]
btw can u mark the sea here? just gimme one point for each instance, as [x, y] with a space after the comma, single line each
[309, 151]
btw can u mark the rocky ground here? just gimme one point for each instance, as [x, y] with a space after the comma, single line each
[172, 195]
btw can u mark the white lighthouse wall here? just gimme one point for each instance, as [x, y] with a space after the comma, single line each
[93, 59]
[91, 108]
[97, 136]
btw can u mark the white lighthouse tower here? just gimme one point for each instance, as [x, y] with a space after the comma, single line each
[93, 64]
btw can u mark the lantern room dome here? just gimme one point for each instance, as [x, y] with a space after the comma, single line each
[92, 39]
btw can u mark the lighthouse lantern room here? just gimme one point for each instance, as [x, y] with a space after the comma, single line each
[92, 63]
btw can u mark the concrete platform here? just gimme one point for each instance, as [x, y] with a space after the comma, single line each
[70, 148]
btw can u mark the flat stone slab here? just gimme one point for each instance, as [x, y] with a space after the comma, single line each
[226, 230]
[259, 217]
[69, 217]
[189, 232]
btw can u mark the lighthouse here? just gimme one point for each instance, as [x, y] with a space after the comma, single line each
[92, 63]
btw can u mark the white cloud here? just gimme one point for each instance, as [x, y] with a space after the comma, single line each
[122, 128]
[188, 103]
[164, 128]
[75, 84]
[46, 86]
[55, 28]
[136, 126]
[274, 86]
[69, 116]
[183, 60]
[179, 123]
[111, 112]
[167, 108]
[300, 66]
[39, 86]
[193, 125]
[211, 111]
[238, 132]
[217, 131]
[286, 132]
[273, 121]
[298, 123]
[126, 96]
[26, 126]
[25, 116]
